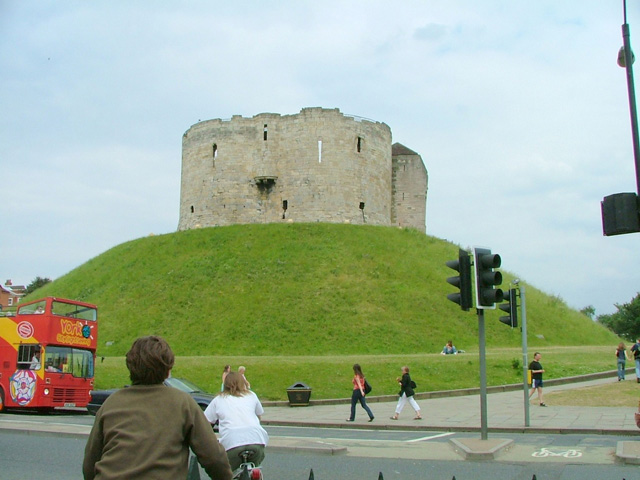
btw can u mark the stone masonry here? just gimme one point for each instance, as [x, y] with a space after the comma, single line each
[315, 166]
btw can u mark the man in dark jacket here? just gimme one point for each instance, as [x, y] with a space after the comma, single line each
[145, 431]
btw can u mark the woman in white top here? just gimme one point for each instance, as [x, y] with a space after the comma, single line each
[237, 411]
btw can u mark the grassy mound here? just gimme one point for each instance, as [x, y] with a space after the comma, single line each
[299, 289]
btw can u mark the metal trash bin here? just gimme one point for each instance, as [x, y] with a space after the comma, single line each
[299, 394]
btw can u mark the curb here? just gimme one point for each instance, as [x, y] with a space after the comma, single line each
[628, 452]
[441, 428]
[475, 449]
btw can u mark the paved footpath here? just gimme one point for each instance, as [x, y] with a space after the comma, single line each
[505, 414]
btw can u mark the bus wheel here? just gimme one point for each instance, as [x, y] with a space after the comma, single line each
[1, 400]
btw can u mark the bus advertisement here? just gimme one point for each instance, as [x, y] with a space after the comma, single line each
[47, 354]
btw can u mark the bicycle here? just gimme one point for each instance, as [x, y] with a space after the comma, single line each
[247, 469]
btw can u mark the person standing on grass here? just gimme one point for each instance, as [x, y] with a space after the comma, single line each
[241, 370]
[636, 356]
[621, 357]
[225, 372]
[406, 395]
[536, 377]
[358, 394]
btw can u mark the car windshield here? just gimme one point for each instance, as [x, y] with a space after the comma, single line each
[181, 384]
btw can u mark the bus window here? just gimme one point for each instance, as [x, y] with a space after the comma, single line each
[29, 357]
[75, 361]
[73, 311]
[38, 307]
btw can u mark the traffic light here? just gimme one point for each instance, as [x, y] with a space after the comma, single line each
[487, 278]
[462, 281]
[511, 307]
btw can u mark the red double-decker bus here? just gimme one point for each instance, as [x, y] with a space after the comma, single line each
[47, 354]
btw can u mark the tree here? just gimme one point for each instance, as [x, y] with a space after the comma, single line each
[36, 284]
[589, 311]
[626, 321]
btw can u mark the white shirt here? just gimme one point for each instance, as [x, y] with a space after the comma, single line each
[238, 420]
[35, 363]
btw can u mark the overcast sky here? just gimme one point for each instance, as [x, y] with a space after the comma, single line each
[517, 108]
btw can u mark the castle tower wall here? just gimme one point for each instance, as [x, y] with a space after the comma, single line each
[410, 182]
[315, 166]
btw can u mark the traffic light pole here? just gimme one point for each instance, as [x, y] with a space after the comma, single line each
[525, 361]
[483, 376]
[628, 60]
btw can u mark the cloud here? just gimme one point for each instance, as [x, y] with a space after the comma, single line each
[518, 110]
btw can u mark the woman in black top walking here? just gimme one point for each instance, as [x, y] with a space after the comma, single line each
[406, 395]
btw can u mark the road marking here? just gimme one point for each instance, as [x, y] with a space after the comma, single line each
[544, 452]
[431, 437]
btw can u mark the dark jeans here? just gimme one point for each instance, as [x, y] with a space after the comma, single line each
[355, 397]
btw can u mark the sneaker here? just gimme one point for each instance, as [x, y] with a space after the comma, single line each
[543, 404]
[371, 419]
[349, 420]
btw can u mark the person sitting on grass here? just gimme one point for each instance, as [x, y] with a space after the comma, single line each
[449, 349]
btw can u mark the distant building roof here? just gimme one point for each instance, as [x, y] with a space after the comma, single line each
[399, 149]
[17, 290]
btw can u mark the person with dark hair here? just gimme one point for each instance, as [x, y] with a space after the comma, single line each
[358, 394]
[35, 361]
[536, 377]
[146, 430]
[237, 411]
[636, 358]
[406, 395]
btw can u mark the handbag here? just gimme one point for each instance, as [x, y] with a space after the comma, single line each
[367, 387]
[413, 384]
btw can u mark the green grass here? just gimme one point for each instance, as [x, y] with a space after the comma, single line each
[330, 376]
[614, 394]
[303, 302]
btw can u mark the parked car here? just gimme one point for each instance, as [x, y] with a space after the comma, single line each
[202, 398]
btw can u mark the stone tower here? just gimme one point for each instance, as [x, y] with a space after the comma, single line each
[315, 166]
